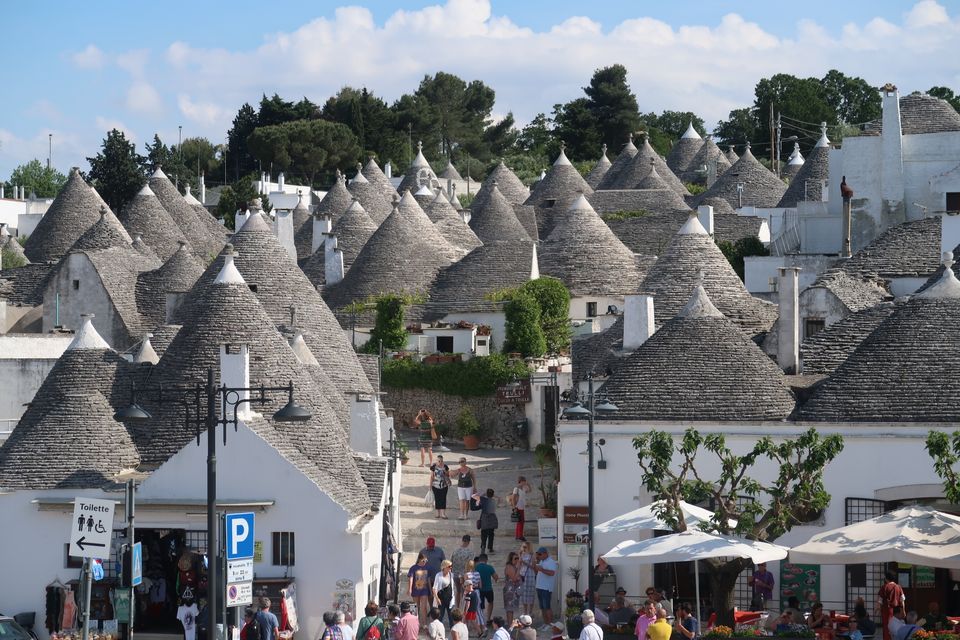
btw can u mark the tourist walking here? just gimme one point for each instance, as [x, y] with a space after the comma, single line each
[528, 588]
[435, 629]
[511, 586]
[443, 590]
[419, 587]
[487, 505]
[762, 582]
[440, 484]
[889, 597]
[426, 434]
[466, 480]
[488, 575]
[331, 629]
[461, 555]
[434, 555]
[518, 500]
[591, 630]
[407, 627]
[371, 625]
[471, 607]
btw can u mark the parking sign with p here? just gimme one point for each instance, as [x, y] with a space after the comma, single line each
[239, 536]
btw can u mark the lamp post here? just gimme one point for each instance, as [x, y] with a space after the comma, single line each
[227, 398]
[589, 412]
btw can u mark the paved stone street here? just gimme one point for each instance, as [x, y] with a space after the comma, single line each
[495, 468]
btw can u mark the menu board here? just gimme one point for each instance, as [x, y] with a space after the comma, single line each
[800, 580]
[925, 576]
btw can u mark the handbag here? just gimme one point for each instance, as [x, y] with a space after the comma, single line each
[433, 433]
[479, 520]
[515, 515]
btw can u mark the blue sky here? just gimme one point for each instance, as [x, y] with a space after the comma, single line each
[150, 67]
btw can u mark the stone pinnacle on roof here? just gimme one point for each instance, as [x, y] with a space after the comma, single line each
[228, 273]
[554, 194]
[145, 216]
[371, 197]
[731, 155]
[691, 132]
[699, 305]
[640, 166]
[301, 349]
[761, 188]
[145, 352]
[682, 158]
[373, 173]
[419, 172]
[693, 226]
[87, 336]
[947, 286]
[202, 240]
[515, 192]
[449, 223]
[105, 233]
[621, 162]
[796, 157]
[600, 169]
[807, 180]
[450, 172]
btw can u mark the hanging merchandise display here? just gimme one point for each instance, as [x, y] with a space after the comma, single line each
[288, 608]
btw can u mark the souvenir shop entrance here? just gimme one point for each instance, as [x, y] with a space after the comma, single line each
[174, 587]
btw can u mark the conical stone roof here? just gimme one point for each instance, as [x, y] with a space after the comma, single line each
[684, 151]
[599, 170]
[902, 371]
[708, 152]
[562, 185]
[515, 192]
[692, 252]
[761, 188]
[699, 366]
[9, 244]
[336, 200]
[107, 232]
[143, 248]
[585, 254]
[720, 206]
[212, 224]
[282, 286]
[450, 172]
[731, 155]
[450, 225]
[75, 209]
[402, 256]
[424, 196]
[371, 198]
[416, 216]
[418, 173]
[146, 217]
[177, 275]
[808, 182]
[612, 176]
[353, 229]
[302, 229]
[202, 242]
[640, 166]
[652, 180]
[372, 172]
[494, 219]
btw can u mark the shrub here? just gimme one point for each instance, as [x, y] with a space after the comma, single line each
[618, 216]
[388, 327]
[553, 298]
[694, 188]
[523, 332]
[11, 260]
[479, 376]
[467, 423]
[735, 252]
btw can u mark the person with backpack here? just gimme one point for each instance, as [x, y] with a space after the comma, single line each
[250, 630]
[332, 629]
[371, 626]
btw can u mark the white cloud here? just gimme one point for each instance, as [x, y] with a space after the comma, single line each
[143, 98]
[203, 113]
[105, 125]
[89, 58]
[134, 61]
[927, 13]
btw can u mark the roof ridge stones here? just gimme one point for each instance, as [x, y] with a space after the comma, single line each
[761, 188]
[372, 172]
[371, 197]
[599, 169]
[107, 232]
[202, 242]
[75, 209]
[807, 183]
[619, 165]
[281, 286]
[494, 219]
[560, 188]
[145, 216]
[675, 273]
[449, 223]
[515, 192]
[586, 256]
[683, 372]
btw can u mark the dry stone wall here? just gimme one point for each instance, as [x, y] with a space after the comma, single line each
[497, 421]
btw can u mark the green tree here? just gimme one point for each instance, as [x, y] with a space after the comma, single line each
[199, 157]
[798, 100]
[305, 148]
[501, 137]
[116, 171]
[612, 105]
[388, 327]
[853, 100]
[739, 128]
[537, 138]
[665, 129]
[237, 196]
[160, 155]
[523, 332]
[371, 120]
[762, 509]
[947, 94]
[735, 252]
[574, 124]
[944, 449]
[11, 260]
[238, 153]
[36, 178]
[553, 300]
[275, 110]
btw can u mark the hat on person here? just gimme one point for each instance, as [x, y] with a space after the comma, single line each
[622, 590]
[431, 542]
[557, 625]
[525, 620]
[542, 550]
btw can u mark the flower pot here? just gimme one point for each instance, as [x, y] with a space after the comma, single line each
[471, 442]
[548, 513]
[404, 460]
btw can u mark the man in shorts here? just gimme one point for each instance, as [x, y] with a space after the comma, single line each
[546, 569]
[488, 575]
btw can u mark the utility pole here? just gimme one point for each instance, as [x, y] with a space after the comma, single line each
[772, 138]
[49, 151]
[777, 170]
[179, 152]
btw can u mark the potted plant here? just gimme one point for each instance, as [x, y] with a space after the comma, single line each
[545, 455]
[572, 611]
[469, 429]
[404, 451]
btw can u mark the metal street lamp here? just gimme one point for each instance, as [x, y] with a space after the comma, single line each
[204, 416]
[592, 409]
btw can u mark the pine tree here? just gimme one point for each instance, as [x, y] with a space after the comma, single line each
[116, 171]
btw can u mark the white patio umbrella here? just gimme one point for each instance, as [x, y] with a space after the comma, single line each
[646, 519]
[912, 535]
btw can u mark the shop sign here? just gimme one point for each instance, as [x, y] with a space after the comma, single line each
[121, 604]
[925, 576]
[514, 393]
[91, 528]
[240, 570]
[575, 520]
[258, 551]
[240, 594]
[800, 580]
[239, 535]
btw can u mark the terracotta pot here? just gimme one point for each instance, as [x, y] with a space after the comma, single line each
[547, 513]
[471, 442]
[404, 460]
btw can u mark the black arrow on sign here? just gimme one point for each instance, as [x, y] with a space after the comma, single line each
[82, 543]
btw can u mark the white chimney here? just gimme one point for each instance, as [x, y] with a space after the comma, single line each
[146, 352]
[281, 181]
[638, 320]
[705, 214]
[322, 225]
[332, 260]
[263, 182]
[235, 373]
[949, 233]
[203, 188]
[1, 191]
[788, 334]
[283, 229]
[891, 146]
[388, 170]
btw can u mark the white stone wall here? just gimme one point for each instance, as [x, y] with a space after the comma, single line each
[90, 297]
[25, 360]
[875, 457]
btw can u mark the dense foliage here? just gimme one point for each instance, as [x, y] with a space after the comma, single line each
[479, 376]
[524, 335]
[237, 197]
[735, 252]
[117, 170]
[36, 179]
[388, 328]
[553, 299]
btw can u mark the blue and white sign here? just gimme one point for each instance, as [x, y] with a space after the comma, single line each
[136, 565]
[239, 535]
